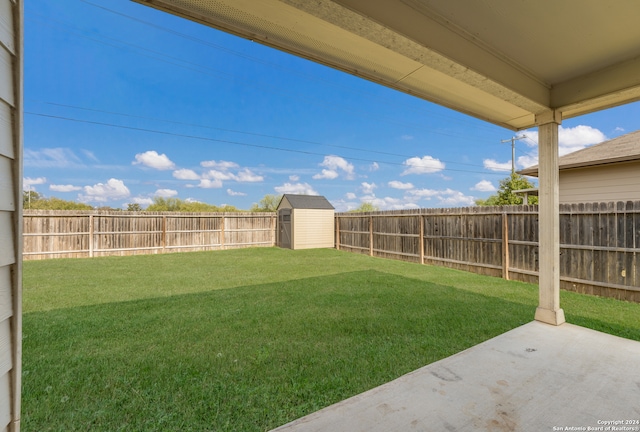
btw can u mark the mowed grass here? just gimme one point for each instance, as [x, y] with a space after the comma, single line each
[247, 340]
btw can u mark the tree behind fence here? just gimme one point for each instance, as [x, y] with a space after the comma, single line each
[75, 234]
[599, 242]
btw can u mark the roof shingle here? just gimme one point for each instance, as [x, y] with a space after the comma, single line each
[307, 201]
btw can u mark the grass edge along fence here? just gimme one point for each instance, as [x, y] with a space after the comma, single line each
[86, 234]
[599, 242]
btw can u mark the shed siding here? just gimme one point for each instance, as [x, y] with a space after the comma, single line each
[313, 228]
[10, 212]
[619, 182]
[284, 203]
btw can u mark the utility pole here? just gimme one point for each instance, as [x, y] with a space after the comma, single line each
[513, 150]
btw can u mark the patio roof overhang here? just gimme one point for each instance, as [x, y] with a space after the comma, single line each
[499, 60]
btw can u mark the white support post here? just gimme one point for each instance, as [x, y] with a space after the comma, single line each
[548, 310]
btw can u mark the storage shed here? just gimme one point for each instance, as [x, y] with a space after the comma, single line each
[305, 222]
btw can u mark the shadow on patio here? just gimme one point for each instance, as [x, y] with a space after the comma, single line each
[536, 377]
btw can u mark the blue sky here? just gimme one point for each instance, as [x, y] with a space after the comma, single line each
[124, 103]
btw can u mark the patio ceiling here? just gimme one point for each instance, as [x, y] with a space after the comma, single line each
[503, 61]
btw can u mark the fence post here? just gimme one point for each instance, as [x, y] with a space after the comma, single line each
[90, 236]
[164, 233]
[222, 232]
[421, 220]
[273, 227]
[505, 246]
[337, 232]
[370, 235]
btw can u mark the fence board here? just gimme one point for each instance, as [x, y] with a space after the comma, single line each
[599, 242]
[74, 234]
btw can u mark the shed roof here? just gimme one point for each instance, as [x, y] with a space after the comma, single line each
[307, 202]
[625, 148]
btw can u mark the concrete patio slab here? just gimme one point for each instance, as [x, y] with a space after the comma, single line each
[536, 377]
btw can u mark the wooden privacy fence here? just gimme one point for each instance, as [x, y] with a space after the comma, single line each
[75, 234]
[599, 242]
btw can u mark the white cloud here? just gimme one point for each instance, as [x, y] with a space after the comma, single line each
[368, 187]
[218, 175]
[484, 186]
[527, 161]
[246, 176]
[399, 185]
[234, 193]
[374, 166]
[456, 198]
[579, 136]
[51, 158]
[142, 201]
[296, 188]
[447, 197]
[28, 182]
[388, 203]
[570, 139]
[333, 165]
[90, 155]
[423, 165]
[424, 193]
[165, 193]
[221, 171]
[221, 165]
[206, 183]
[407, 137]
[114, 189]
[494, 165]
[350, 196]
[619, 129]
[294, 178]
[326, 174]
[186, 174]
[64, 188]
[154, 160]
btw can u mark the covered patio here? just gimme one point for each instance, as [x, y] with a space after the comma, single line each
[515, 64]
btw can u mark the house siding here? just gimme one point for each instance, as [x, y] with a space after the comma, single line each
[11, 18]
[313, 228]
[619, 182]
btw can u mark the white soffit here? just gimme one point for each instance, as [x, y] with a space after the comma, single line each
[503, 61]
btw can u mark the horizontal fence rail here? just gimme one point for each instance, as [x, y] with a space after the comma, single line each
[599, 242]
[76, 234]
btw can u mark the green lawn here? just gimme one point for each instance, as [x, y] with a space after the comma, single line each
[246, 340]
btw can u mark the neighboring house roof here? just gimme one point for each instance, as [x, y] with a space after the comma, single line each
[625, 148]
[307, 202]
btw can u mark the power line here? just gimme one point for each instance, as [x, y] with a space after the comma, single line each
[200, 138]
[242, 132]
[513, 150]
[260, 86]
[264, 62]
